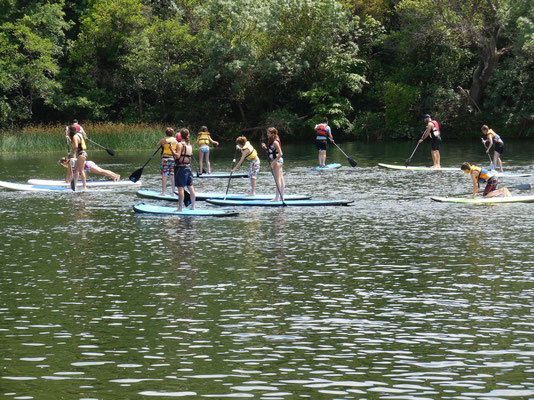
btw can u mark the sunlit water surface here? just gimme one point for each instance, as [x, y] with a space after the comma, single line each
[393, 297]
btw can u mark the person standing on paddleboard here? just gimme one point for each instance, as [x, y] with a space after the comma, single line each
[248, 152]
[183, 173]
[78, 127]
[168, 144]
[204, 139]
[274, 154]
[324, 133]
[79, 152]
[482, 175]
[492, 139]
[89, 166]
[432, 130]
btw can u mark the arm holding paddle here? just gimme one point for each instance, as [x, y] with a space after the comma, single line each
[243, 155]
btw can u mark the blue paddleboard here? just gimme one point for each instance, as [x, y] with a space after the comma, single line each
[152, 194]
[327, 167]
[152, 209]
[266, 203]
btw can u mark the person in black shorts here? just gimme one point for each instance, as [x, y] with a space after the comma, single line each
[432, 130]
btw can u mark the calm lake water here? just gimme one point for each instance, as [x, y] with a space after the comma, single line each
[393, 297]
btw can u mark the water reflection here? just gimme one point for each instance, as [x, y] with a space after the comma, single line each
[393, 297]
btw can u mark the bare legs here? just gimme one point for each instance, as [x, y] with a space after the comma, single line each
[279, 179]
[322, 158]
[105, 172]
[181, 196]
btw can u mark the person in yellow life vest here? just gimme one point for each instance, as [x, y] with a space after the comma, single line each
[492, 139]
[168, 144]
[204, 139]
[482, 175]
[79, 152]
[248, 152]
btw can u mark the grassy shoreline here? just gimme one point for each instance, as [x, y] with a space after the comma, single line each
[52, 137]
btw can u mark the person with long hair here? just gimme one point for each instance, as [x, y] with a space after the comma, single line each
[204, 139]
[276, 162]
[89, 166]
[79, 149]
[183, 173]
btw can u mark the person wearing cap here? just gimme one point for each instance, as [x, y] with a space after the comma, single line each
[432, 130]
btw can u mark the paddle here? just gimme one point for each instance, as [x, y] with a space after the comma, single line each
[485, 148]
[350, 160]
[230, 178]
[136, 175]
[110, 151]
[409, 160]
[274, 177]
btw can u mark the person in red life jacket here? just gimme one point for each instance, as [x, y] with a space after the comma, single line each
[432, 130]
[274, 154]
[79, 129]
[482, 175]
[324, 134]
[492, 139]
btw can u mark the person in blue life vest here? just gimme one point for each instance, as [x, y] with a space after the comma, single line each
[492, 139]
[432, 131]
[482, 175]
[168, 144]
[323, 135]
[204, 139]
[248, 152]
[276, 162]
[183, 173]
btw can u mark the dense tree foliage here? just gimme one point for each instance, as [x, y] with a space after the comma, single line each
[373, 67]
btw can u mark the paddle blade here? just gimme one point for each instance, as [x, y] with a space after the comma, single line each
[525, 186]
[352, 162]
[136, 175]
[187, 198]
[110, 152]
[407, 162]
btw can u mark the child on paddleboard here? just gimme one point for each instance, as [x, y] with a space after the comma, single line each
[492, 139]
[248, 152]
[204, 139]
[482, 175]
[168, 145]
[183, 173]
[276, 162]
[89, 166]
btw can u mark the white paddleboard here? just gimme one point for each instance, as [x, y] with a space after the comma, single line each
[51, 182]
[482, 200]
[33, 188]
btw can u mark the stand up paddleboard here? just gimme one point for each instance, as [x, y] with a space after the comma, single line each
[49, 182]
[33, 188]
[266, 203]
[482, 200]
[409, 168]
[151, 209]
[448, 169]
[152, 194]
[327, 167]
[221, 175]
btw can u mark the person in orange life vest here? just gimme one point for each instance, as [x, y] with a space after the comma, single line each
[482, 175]
[79, 152]
[432, 130]
[168, 144]
[274, 153]
[324, 133]
[492, 139]
[204, 139]
[79, 128]
[248, 152]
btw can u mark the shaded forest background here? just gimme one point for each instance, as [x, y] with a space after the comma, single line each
[374, 67]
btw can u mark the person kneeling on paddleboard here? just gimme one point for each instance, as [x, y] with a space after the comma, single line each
[482, 175]
[248, 152]
[432, 130]
[183, 173]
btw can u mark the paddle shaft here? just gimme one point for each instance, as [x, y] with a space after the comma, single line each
[110, 151]
[350, 160]
[231, 171]
[134, 177]
[274, 177]
[409, 160]
[485, 148]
